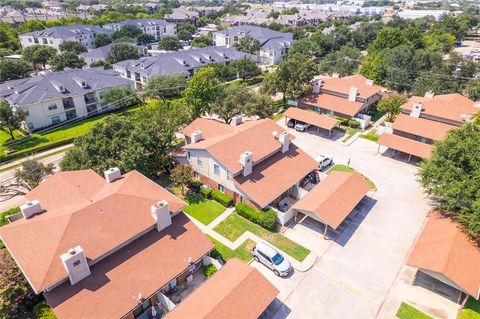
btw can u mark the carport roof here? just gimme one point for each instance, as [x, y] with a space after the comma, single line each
[335, 197]
[405, 145]
[444, 248]
[313, 118]
[422, 127]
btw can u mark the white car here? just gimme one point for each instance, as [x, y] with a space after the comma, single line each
[301, 126]
[271, 258]
[323, 161]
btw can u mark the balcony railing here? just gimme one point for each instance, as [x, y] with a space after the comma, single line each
[68, 104]
[90, 99]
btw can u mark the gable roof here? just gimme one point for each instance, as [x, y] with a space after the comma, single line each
[141, 23]
[334, 198]
[405, 145]
[80, 208]
[67, 31]
[422, 127]
[342, 85]
[444, 248]
[235, 291]
[268, 38]
[334, 103]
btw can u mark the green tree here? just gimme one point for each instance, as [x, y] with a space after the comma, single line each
[441, 41]
[13, 69]
[387, 38]
[184, 35]
[67, 59]
[164, 87]
[245, 67]
[144, 39]
[106, 65]
[102, 39]
[451, 176]
[129, 30]
[202, 90]
[182, 176]
[39, 54]
[8, 37]
[169, 44]
[473, 90]
[121, 52]
[30, 26]
[248, 44]
[343, 62]
[10, 119]
[202, 41]
[231, 101]
[260, 105]
[392, 106]
[121, 97]
[13, 287]
[72, 46]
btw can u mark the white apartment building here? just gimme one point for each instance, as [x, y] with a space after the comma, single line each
[156, 27]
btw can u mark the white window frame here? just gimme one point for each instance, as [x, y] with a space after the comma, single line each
[216, 169]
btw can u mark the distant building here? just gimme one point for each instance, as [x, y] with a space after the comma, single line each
[182, 15]
[186, 62]
[101, 53]
[57, 35]
[156, 27]
[415, 14]
[274, 45]
[56, 97]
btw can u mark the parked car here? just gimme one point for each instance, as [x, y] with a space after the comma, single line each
[323, 161]
[301, 126]
[271, 258]
[291, 123]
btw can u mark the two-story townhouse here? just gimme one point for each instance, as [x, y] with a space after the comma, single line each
[425, 120]
[274, 45]
[254, 161]
[57, 35]
[186, 62]
[346, 97]
[55, 97]
[155, 27]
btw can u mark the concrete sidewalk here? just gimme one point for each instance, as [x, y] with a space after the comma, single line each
[15, 163]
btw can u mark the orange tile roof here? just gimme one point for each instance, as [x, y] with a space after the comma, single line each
[99, 218]
[342, 85]
[235, 291]
[333, 103]
[422, 127]
[209, 127]
[143, 266]
[446, 106]
[313, 118]
[335, 197]
[275, 175]
[444, 248]
[405, 145]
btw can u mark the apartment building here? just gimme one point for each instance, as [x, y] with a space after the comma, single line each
[425, 120]
[156, 27]
[186, 62]
[57, 35]
[346, 97]
[182, 14]
[274, 45]
[254, 161]
[101, 53]
[55, 97]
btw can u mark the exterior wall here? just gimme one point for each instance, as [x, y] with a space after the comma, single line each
[87, 39]
[413, 137]
[206, 168]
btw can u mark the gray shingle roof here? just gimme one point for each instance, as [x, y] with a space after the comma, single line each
[269, 39]
[182, 61]
[101, 53]
[141, 23]
[68, 31]
[45, 87]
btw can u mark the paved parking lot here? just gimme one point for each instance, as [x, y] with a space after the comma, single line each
[359, 266]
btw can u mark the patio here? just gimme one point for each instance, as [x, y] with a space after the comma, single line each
[180, 292]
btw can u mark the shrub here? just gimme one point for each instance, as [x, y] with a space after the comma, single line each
[343, 120]
[4, 221]
[195, 184]
[266, 219]
[222, 198]
[209, 270]
[43, 311]
[353, 124]
[206, 192]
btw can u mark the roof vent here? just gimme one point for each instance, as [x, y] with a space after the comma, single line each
[196, 136]
[161, 214]
[75, 264]
[236, 120]
[246, 160]
[275, 134]
[429, 95]
[112, 174]
[369, 82]
[31, 208]
[416, 109]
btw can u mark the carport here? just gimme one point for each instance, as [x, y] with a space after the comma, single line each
[333, 199]
[318, 120]
[405, 145]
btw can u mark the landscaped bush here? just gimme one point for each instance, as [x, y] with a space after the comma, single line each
[209, 270]
[266, 219]
[343, 120]
[206, 192]
[222, 198]
[353, 124]
[195, 184]
[4, 221]
[43, 311]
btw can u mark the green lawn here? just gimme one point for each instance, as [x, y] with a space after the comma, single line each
[349, 132]
[205, 211]
[408, 312]
[471, 310]
[278, 116]
[243, 252]
[345, 168]
[235, 225]
[372, 136]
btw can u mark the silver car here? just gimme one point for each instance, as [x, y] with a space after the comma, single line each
[271, 258]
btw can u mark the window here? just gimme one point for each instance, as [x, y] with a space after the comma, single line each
[55, 119]
[221, 188]
[196, 175]
[229, 175]
[30, 126]
[50, 41]
[52, 107]
[216, 169]
[30, 40]
[199, 160]
[188, 155]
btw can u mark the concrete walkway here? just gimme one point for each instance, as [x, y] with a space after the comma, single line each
[15, 163]
[303, 266]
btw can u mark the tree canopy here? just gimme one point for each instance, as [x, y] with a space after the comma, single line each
[72, 46]
[164, 87]
[121, 52]
[248, 44]
[10, 119]
[39, 54]
[13, 69]
[170, 44]
[202, 90]
[67, 59]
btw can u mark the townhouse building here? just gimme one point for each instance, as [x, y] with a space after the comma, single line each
[155, 27]
[57, 35]
[54, 97]
[274, 45]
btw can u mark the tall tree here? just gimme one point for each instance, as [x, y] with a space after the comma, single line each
[473, 90]
[202, 41]
[67, 59]
[8, 37]
[231, 101]
[121, 52]
[72, 46]
[10, 120]
[169, 44]
[145, 38]
[248, 44]
[121, 97]
[245, 67]
[39, 54]
[392, 106]
[13, 69]
[164, 87]
[102, 39]
[130, 31]
[182, 176]
[260, 105]
[343, 62]
[202, 90]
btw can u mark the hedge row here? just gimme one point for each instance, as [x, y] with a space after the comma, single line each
[266, 219]
[206, 192]
[346, 122]
[222, 198]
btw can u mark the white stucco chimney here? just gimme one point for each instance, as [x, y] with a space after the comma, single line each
[369, 82]
[31, 208]
[285, 141]
[75, 264]
[112, 174]
[247, 162]
[161, 214]
[416, 109]
[236, 120]
[317, 85]
[352, 94]
[429, 95]
[196, 136]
